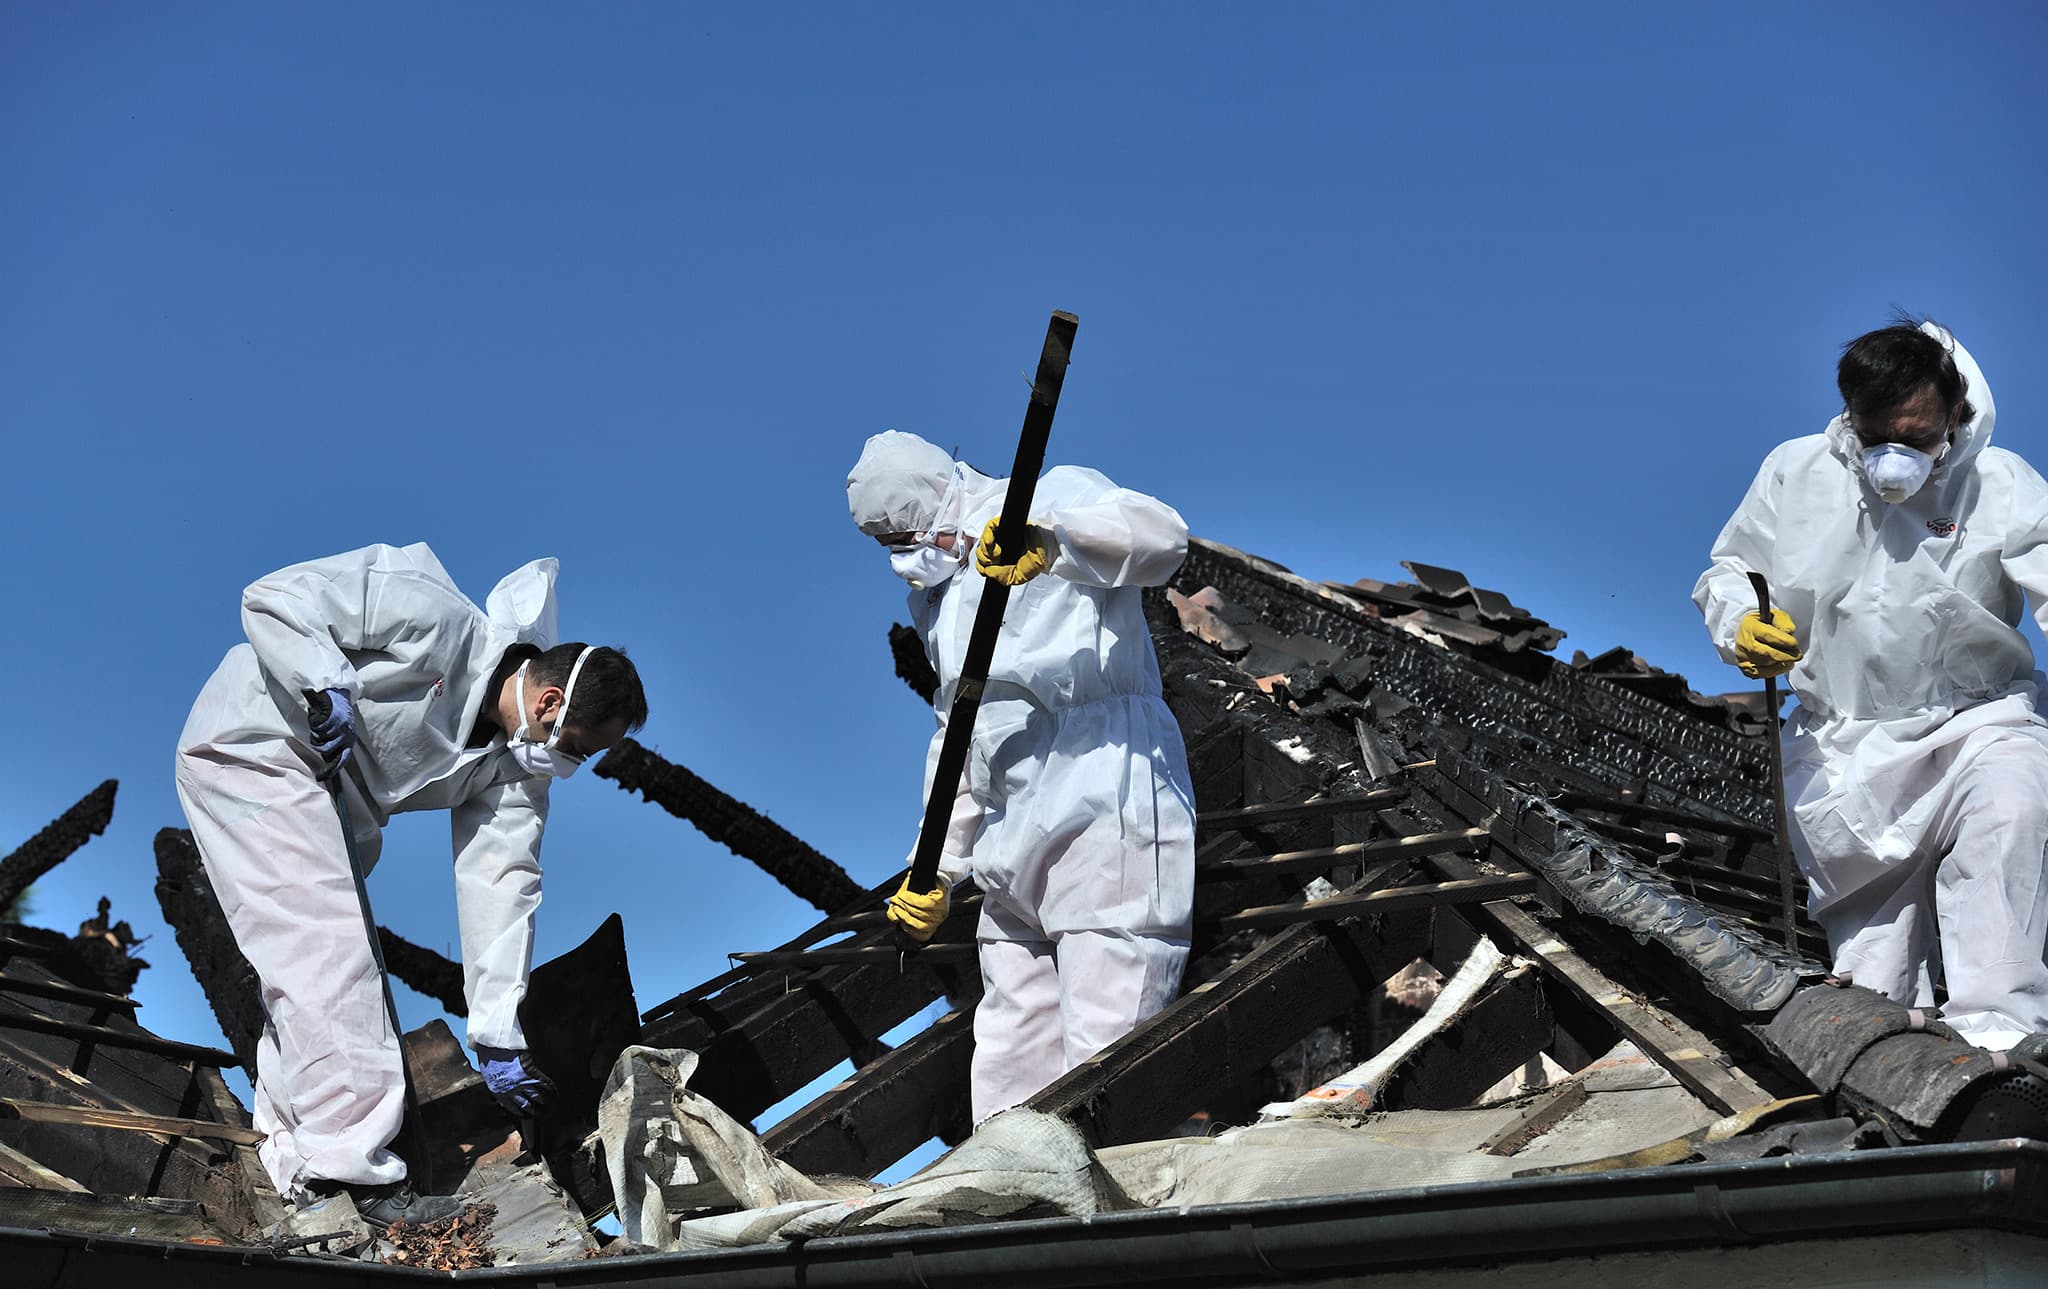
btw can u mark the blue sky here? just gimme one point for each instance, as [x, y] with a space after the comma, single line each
[1527, 291]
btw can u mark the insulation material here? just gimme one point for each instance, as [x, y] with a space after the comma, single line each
[1019, 1164]
[1631, 1103]
[1304, 1158]
[671, 1152]
[1358, 1089]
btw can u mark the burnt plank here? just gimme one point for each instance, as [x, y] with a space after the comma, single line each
[1696, 1061]
[1228, 1029]
[1323, 858]
[725, 819]
[823, 1018]
[54, 844]
[104, 1035]
[888, 1107]
[837, 955]
[1458, 891]
[1540, 1116]
[18, 1169]
[193, 911]
[125, 1121]
[742, 989]
[1275, 812]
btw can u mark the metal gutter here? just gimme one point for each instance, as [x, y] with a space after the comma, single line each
[1998, 1184]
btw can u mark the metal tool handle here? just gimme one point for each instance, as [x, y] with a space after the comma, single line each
[1788, 892]
[995, 596]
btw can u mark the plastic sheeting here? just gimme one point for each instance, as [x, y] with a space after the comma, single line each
[676, 1159]
[1018, 1164]
[672, 1153]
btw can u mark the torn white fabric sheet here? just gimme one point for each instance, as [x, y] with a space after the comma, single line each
[672, 1153]
[1357, 1089]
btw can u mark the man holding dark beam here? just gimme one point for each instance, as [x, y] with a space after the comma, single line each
[1076, 813]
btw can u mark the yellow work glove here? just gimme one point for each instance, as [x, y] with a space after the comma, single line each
[919, 913]
[1014, 569]
[1766, 648]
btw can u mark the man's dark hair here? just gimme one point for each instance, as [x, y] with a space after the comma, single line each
[1882, 369]
[607, 688]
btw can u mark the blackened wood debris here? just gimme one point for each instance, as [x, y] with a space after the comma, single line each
[54, 844]
[734, 824]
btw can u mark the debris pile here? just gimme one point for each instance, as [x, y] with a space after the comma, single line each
[459, 1243]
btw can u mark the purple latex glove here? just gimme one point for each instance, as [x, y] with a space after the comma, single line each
[514, 1080]
[331, 716]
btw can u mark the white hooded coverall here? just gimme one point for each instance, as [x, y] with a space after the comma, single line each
[389, 626]
[1916, 769]
[1076, 812]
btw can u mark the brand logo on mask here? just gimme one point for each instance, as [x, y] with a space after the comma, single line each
[1943, 527]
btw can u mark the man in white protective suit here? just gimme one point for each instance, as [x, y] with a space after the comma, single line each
[370, 674]
[1898, 545]
[1076, 813]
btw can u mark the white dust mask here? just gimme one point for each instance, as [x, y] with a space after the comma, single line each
[924, 564]
[537, 756]
[1897, 471]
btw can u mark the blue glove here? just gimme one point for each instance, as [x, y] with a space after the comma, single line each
[332, 716]
[515, 1081]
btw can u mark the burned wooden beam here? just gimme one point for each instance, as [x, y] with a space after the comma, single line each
[126, 1121]
[424, 971]
[1696, 1061]
[193, 912]
[97, 999]
[1275, 812]
[717, 1003]
[888, 1108]
[578, 1015]
[1230, 1028]
[732, 823]
[749, 1061]
[833, 955]
[55, 843]
[1473, 891]
[1539, 1117]
[44, 1067]
[1324, 858]
[913, 668]
[90, 1035]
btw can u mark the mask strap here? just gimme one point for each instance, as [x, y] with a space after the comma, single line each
[519, 735]
[956, 483]
[568, 692]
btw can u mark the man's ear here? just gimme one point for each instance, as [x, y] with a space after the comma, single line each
[550, 702]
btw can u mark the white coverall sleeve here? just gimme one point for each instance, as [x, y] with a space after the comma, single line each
[497, 891]
[1109, 536]
[961, 825]
[299, 619]
[1723, 593]
[2026, 540]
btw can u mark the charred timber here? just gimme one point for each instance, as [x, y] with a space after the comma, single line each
[912, 667]
[733, 824]
[424, 971]
[54, 844]
[193, 912]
